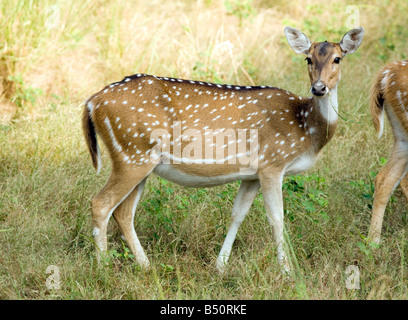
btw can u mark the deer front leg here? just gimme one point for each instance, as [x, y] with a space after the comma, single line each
[271, 184]
[242, 203]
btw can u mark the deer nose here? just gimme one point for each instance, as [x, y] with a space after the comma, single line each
[319, 89]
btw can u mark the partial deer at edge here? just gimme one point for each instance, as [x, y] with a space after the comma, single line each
[151, 124]
[390, 94]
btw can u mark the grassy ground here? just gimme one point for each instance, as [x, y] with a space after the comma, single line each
[55, 54]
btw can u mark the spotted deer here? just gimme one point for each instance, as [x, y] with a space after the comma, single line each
[390, 94]
[145, 121]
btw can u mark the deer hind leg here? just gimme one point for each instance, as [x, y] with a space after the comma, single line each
[404, 186]
[271, 184]
[124, 216]
[119, 186]
[386, 181]
[242, 203]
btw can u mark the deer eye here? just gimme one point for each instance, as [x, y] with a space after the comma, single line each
[337, 60]
[309, 61]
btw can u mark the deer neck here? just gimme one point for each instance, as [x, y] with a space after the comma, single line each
[324, 122]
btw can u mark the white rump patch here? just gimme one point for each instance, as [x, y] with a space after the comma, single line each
[115, 143]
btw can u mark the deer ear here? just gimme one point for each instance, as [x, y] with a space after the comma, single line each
[297, 40]
[351, 40]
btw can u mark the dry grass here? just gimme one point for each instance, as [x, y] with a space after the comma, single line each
[55, 54]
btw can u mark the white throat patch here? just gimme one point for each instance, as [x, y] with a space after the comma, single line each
[328, 106]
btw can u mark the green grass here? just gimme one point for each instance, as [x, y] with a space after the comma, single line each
[47, 180]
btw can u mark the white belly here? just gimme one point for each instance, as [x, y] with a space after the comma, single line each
[301, 163]
[171, 173]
